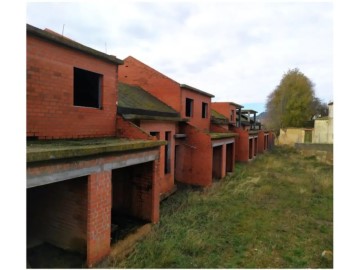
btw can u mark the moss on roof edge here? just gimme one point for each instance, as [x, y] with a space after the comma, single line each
[88, 150]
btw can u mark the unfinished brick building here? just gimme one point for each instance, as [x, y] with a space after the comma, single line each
[251, 140]
[82, 180]
[200, 155]
[156, 119]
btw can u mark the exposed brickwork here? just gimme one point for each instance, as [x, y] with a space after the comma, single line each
[194, 157]
[196, 119]
[99, 216]
[132, 191]
[50, 110]
[219, 128]
[57, 214]
[241, 144]
[225, 108]
[166, 181]
[218, 160]
[137, 73]
[126, 129]
[230, 157]
[261, 142]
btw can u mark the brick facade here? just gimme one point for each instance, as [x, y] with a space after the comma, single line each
[137, 73]
[51, 113]
[166, 178]
[99, 216]
[196, 119]
[57, 214]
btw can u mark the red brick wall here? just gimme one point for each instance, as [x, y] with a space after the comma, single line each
[126, 129]
[137, 73]
[225, 109]
[261, 142]
[50, 110]
[57, 214]
[196, 120]
[218, 160]
[194, 157]
[99, 216]
[230, 157]
[219, 128]
[241, 144]
[132, 191]
[166, 181]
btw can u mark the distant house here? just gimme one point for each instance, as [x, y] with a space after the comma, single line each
[290, 136]
[323, 128]
[200, 155]
[82, 179]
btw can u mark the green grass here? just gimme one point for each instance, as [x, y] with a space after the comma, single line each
[275, 212]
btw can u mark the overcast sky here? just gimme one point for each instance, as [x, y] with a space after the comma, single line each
[237, 51]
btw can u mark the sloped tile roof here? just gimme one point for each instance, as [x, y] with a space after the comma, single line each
[135, 102]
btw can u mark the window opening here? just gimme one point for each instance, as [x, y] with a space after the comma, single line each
[204, 110]
[87, 88]
[189, 107]
[167, 168]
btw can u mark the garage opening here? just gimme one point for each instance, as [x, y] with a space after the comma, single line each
[217, 161]
[229, 157]
[251, 148]
[57, 224]
[132, 199]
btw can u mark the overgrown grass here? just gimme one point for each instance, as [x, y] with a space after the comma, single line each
[275, 212]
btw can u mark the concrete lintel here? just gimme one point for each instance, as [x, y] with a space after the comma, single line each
[48, 178]
[129, 162]
[222, 142]
[252, 137]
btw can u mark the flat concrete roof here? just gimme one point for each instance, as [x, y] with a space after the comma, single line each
[44, 150]
[215, 135]
[248, 111]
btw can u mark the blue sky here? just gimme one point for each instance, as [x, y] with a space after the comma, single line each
[235, 50]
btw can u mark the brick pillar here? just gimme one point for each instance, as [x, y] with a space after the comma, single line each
[99, 217]
[223, 160]
[155, 216]
[243, 149]
[261, 142]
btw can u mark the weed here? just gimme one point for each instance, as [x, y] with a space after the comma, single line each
[275, 212]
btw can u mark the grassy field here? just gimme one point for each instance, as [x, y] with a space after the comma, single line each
[275, 212]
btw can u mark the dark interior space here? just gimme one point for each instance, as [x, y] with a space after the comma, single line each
[217, 161]
[56, 224]
[131, 199]
[87, 86]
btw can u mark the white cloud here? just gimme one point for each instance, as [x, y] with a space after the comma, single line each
[237, 51]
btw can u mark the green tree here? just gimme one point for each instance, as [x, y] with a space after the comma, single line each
[293, 102]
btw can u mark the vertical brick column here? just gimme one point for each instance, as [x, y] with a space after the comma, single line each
[242, 151]
[99, 216]
[261, 142]
[223, 160]
[155, 216]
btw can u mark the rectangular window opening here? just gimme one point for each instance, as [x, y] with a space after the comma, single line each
[189, 107]
[167, 168]
[87, 88]
[155, 134]
[204, 111]
[232, 115]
